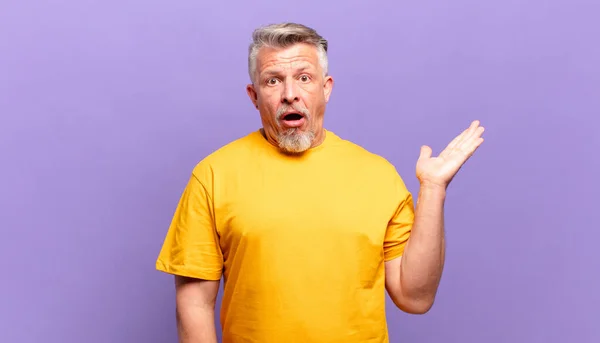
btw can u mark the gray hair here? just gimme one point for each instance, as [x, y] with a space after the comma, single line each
[283, 36]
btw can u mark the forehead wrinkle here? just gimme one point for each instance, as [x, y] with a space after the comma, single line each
[279, 67]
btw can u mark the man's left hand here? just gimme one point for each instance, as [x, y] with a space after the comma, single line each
[439, 171]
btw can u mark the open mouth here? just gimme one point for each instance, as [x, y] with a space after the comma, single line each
[292, 117]
[293, 120]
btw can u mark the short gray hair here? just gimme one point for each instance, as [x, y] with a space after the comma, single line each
[282, 36]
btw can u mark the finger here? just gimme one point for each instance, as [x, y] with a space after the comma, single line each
[469, 139]
[473, 146]
[466, 148]
[465, 152]
[468, 143]
[469, 132]
[455, 141]
[425, 152]
[460, 138]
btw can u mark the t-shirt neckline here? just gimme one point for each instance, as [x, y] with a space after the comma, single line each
[329, 136]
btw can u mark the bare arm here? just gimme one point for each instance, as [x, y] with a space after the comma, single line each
[412, 280]
[195, 302]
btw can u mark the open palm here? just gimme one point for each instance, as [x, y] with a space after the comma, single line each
[441, 169]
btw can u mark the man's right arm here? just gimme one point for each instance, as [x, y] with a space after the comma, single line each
[191, 251]
[195, 303]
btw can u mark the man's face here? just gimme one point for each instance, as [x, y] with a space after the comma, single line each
[290, 92]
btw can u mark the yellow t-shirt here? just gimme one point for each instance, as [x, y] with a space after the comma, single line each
[300, 240]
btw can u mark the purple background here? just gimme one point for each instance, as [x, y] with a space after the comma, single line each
[106, 106]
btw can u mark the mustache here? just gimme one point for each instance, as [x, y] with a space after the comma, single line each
[285, 108]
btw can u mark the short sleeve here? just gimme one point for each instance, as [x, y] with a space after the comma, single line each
[400, 225]
[191, 246]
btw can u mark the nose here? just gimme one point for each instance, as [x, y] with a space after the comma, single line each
[290, 92]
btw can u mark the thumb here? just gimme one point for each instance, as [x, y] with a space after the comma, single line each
[425, 152]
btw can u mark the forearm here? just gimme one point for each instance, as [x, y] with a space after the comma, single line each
[423, 259]
[196, 325]
[413, 279]
[195, 310]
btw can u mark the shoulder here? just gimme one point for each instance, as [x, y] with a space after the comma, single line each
[228, 156]
[363, 157]
[377, 168]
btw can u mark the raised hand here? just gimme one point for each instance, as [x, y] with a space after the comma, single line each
[440, 170]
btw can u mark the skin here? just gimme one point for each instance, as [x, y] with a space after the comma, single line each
[412, 280]
[290, 77]
[195, 309]
[293, 77]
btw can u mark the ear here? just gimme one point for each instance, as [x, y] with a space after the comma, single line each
[327, 87]
[252, 94]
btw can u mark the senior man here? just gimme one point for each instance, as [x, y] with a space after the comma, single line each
[307, 229]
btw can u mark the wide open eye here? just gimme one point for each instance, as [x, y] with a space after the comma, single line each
[304, 78]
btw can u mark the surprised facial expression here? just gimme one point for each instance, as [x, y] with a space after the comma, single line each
[290, 91]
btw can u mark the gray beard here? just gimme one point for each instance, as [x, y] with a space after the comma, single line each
[295, 141]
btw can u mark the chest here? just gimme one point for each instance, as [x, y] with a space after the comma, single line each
[296, 210]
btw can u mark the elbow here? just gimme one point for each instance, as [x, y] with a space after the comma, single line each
[419, 307]
[415, 306]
